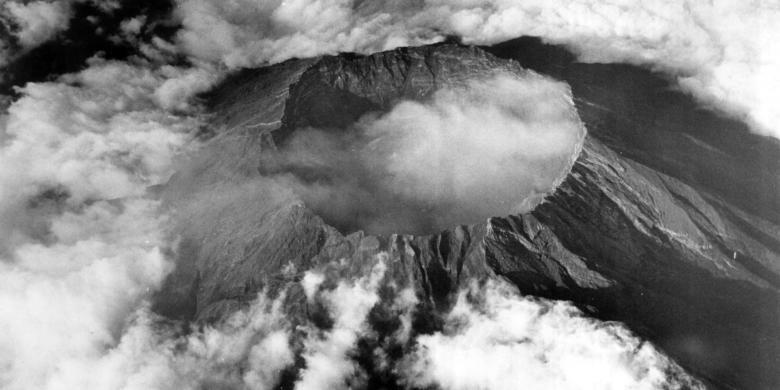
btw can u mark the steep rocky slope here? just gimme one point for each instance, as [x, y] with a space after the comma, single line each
[668, 220]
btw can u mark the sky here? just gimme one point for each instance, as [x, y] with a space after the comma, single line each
[84, 245]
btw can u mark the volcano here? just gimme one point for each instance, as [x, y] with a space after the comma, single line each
[667, 219]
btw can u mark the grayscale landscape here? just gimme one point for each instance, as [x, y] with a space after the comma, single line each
[334, 194]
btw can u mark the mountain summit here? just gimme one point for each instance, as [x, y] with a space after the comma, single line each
[666, 219]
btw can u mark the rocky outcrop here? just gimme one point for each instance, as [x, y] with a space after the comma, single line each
[649, 228]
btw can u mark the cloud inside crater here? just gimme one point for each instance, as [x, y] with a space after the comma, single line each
[491, 147]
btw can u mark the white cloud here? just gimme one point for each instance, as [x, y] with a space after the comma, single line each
[404, 304]
[496, 339]
[328, 365]
[96, 135]
[135, 351]
[82, 245]
[68, 300]
[311, 283]
[483, 150]
[248, 350]
[133, 26]
[724, 51]
[491, 146]
[38, 21]
[180, 86]
[248, 32]
[34, 22]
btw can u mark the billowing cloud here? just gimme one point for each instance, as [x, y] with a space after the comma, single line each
[68, 300]
[249, 350]
[27, 24]
[83, 245]
[37, 21]
[100, 134]
[495, 339]
[328, 364]
[490, 147]
[246, 33]
[725, 52]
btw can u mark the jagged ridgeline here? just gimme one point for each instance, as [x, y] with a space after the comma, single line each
[664, 217]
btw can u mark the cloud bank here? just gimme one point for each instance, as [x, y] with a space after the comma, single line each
[493, 338]
[82, 244]
[491, 147]
[496, 339]
[249, 350]
[725, 52]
